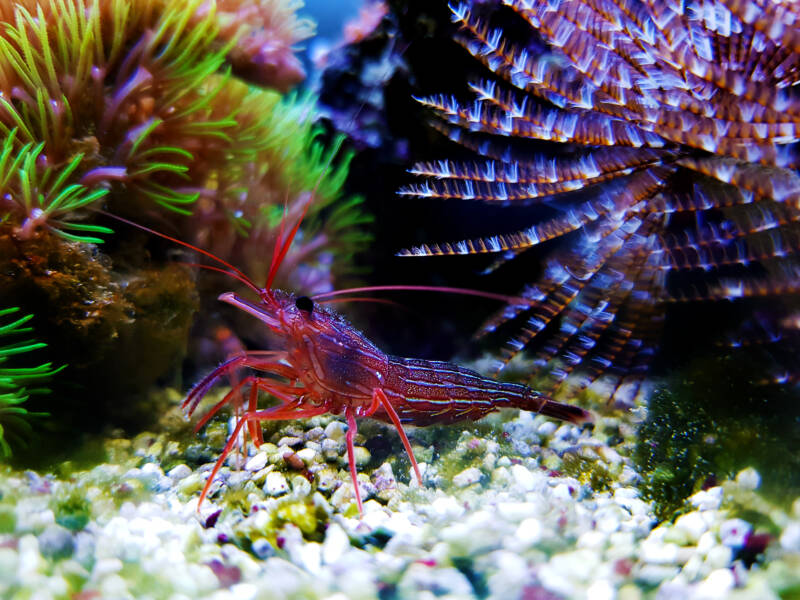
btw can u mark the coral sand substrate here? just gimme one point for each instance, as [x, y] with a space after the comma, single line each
[513, 517]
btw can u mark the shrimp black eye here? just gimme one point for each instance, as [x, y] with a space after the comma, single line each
[305, 304]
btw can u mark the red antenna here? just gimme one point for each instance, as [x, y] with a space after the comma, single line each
[231, 270]
[429, 288]
[282, 246]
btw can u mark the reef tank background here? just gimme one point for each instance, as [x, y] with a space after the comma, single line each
[623, 171]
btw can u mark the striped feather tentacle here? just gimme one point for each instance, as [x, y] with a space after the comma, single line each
[567, 277]
[679, 126]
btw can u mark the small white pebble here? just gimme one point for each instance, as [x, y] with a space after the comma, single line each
[657, 552]
[383, 477]
[179, 472]
[330, 449]
[601, 590]
[523, 477]
[276, 484]
[315, 434]
[734, 532]
[489, 461]
[309, 556]
[628, 476]
[628, 498]
[467, 477]
[749, 479]
[256, 463]
[244, 590]
[190, 484]
[152, 470]
[260, 476]
[290, 440]
[335, 545]
[694, 568]
[706, 542]
[515, 511]
[106, 566]
[563, 492]
[593, 540]
[709, 499]
[326, 480]
[611, 456]
[447, 507]
[718, 584]
[529, 532]
[607, 522]
[335, 430]
[656, 574]
[625, 493]
[307, 455]
[361, 455]
[301, 486]
[237, 478]
[719, 557]
[692, 524]
[547, 428]
[790, 538]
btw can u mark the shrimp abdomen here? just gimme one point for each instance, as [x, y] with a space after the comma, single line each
[425, 392]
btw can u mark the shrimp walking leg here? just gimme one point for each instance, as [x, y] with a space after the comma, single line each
[245, 359]
[350, 415]
[380, 395]
[290, 410]
[287, 393]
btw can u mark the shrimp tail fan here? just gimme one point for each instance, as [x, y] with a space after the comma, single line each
[557, 410]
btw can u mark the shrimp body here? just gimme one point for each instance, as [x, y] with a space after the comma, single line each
[324, 365]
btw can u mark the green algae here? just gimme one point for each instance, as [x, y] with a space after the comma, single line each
[301, 513]
[309, 514]
[8, 520]
[72, 509]
[711, 421]
[589, 470]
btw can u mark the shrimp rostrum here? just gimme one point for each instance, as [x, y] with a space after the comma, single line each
[322, 364]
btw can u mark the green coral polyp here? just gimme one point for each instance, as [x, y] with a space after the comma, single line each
[13, 380]
[132, 77]
[123, 102]
[276, 160]
[42, 198]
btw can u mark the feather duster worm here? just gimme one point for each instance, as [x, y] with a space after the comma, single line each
[670, 135]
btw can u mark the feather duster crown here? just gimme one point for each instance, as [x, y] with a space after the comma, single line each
[673, 129]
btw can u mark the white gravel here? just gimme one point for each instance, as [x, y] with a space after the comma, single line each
[506, 528]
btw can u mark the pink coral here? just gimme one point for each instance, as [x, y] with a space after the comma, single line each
[263, 33]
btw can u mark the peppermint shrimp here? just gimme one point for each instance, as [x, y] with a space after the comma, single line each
[324, 365]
